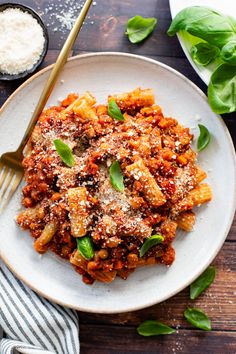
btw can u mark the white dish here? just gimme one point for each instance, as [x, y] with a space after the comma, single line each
[227, 7]
[103, 74]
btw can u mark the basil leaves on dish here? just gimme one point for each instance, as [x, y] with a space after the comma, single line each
[114, 111]
[139, 28]
[197, 318]
[85, 247]
[150, 242]
[153, 328]
[203, 53]
[218, 32]
[116, 176]
[228, 52]
[65, 152]
[202, 282]
[222, 89]
[205, 23]
[204, 137]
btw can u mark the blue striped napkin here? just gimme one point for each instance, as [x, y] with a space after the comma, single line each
[32, 324]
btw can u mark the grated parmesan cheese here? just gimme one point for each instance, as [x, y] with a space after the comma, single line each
[21, 41]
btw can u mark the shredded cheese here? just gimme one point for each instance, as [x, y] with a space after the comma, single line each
[21, 41]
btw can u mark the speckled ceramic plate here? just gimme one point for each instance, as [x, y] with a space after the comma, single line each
[103, 74]
[227, 7]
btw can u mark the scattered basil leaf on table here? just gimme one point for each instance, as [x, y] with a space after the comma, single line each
[139, 28]
[153, 328]
[150, 242]
[116, 176]
[228, 52]
[197, 318]
[205, 23]
[204, 53]
[202, 282]
[65, 152]
[114, 111]
[85, 247]
[222, 89]
[204, 137]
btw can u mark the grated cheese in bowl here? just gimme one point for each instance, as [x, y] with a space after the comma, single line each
[22, 41]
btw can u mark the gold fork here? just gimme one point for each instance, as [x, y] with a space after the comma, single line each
[11, 170]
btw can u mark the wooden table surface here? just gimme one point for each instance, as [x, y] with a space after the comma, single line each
[104, 31]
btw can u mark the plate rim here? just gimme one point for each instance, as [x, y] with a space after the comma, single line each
[231, 217]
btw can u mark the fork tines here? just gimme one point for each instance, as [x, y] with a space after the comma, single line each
[9, 181]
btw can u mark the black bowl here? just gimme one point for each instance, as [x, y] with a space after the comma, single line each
[45, 48]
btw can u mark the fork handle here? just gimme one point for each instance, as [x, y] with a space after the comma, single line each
[54, 74]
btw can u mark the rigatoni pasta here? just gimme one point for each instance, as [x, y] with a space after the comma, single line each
[186, 220]
[201, 194]
[77, 199]
[151, 190]
[45, 237]
[118, 182]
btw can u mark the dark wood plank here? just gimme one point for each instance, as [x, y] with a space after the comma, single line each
[104, 334]
[232, 232]
[105, 25]
[100, 339]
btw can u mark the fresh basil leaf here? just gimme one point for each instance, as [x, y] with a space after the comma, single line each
[150, 242]
[204, 53]
[222, 89]
[205, 23]
[139, 28]
[85, 247]
[197, 318]
[114, 111]
[204, 137]
[64, 152]
[228, 52]
[153, 328]
[202, 282]
[116, 176]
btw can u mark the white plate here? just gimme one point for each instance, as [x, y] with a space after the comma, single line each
[103, 74]
[227, 7]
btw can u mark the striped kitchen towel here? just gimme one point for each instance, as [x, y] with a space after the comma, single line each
[33, 325]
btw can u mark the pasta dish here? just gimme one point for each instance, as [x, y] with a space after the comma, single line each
[107, 186]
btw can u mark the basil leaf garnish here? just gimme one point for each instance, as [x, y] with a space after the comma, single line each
[202, 282]
[114, 111]
[64, 152]
[204, 53]
[197, 318]
[139, 28]
[222, 88]
[116, 176]
[150, 242]
[204, 137]
[85, 247]
[153, 328]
